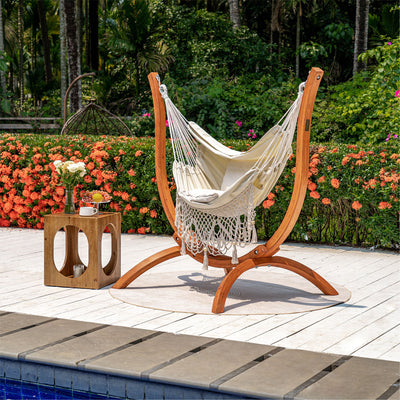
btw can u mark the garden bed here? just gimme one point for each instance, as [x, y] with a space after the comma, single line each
[352, 196]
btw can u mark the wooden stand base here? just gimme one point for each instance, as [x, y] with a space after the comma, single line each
[95, 276]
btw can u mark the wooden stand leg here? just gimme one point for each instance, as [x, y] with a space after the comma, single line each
[145, 265]
[276, 261]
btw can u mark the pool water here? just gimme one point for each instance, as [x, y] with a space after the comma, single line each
[10, 390]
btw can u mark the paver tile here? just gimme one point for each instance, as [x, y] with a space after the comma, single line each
[77, 350]
[141, 357]
[207, 366]
[357, 378]
[28, 339]
[280, 374]
[13, 322]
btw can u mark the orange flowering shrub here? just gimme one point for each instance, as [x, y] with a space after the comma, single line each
[352, 197]
[352, 194]
[121, 167]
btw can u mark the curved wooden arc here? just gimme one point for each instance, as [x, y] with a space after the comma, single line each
[160, 150]
[145, 265]
[281, 262]
[302, 163]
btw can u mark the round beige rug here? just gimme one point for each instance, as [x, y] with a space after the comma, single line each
[255, 292]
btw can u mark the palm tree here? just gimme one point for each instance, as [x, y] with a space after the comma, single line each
[136, 42]
[21, 50]
[92, 35]
[63, 56]
[45, 40]
[234, 13]
[360, 34]
[74, 63]
[2, 75]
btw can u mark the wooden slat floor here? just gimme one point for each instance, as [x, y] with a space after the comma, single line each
[368, 325]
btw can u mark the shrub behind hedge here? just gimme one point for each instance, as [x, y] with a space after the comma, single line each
[352, 195]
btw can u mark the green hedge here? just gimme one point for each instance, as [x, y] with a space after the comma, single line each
[352, 196]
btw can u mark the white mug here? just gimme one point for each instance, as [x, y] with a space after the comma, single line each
[87, 211]
[79, 269]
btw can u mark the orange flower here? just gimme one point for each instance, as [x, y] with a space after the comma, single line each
[153, 214]
[345, 160]
[143, 210]
[268, 203]
[141, 230]
[131, 172]
[271, 196]
[356, 205]
[326, 201]
[87, 178]
[335, 150]
[384, 204]
[335, 183]
[59, 190]
[7, 207]
[125, 196]
[321, 179]
[138, 154]
[315, 195]
[311, 186]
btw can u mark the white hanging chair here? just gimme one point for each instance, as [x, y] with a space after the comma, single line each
[218, 188]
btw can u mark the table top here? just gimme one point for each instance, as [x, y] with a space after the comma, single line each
[62, 215]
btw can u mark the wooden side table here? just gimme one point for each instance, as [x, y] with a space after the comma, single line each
[95, 276]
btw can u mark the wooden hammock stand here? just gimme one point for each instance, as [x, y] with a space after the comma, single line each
[261, 255]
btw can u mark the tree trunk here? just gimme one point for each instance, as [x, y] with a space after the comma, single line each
[94, 34]
[2, 75]
[63, 57]
[79, 18]
[298, 31]
[275, 26]
[45, 41]
[73, 51]
[361, 34]
[21, 50]
[234, 13]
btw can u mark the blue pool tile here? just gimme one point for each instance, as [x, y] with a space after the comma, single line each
[45, 374]
[29, 372]
[135, 389]
[173, 392]
[98, 383]
[116, 386]
[192, 394]
[63, 378]
[12, 369]
[154, 391]
[80, 381]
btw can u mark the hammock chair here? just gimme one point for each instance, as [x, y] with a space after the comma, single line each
[218, 189]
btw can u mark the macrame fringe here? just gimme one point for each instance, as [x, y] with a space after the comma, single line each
[183, 248]
[253, 232]
[205, 260]
[234, 255]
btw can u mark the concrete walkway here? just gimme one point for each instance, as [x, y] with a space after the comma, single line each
[368, 325]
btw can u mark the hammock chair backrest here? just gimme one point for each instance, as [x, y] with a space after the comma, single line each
[204, 164]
